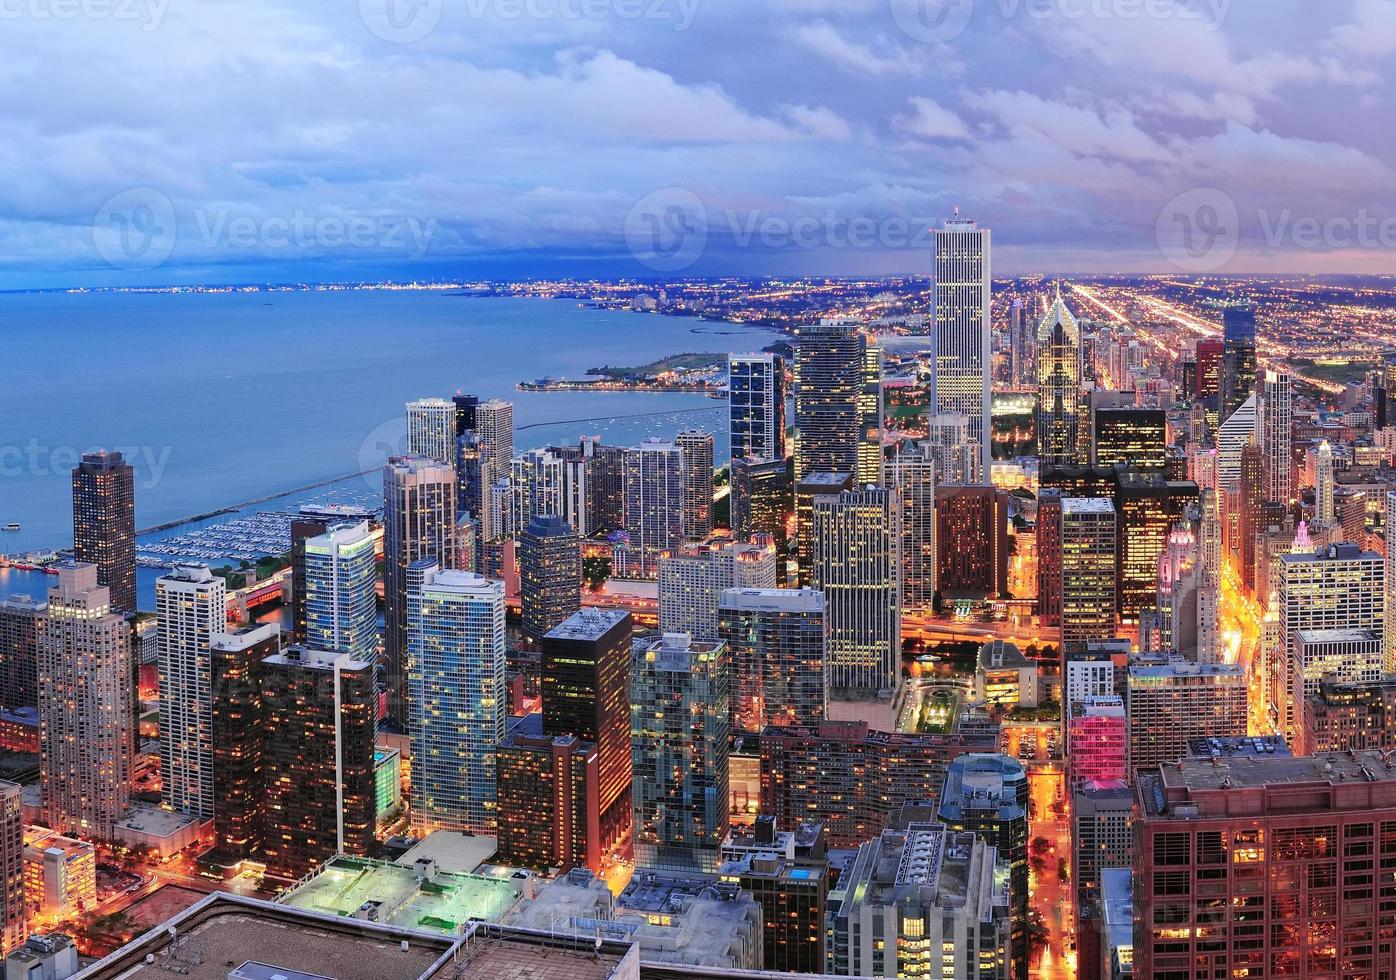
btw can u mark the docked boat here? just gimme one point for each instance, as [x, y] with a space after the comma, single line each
[12, 526]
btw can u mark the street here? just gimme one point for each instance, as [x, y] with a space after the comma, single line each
[1049, 894]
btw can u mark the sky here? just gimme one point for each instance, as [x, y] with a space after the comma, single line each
[150, 142]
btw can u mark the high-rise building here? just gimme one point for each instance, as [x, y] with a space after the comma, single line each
[606, 480]
[1295, 842]
[549, 794]
[494, 436]
[813, 485]
[1237, 431]
[586, 693]
[104, 523]
[756, 405]
[1389, 613]
[777, 640]
[341, 592]
[923, 901]
[787, 872]
[1088, 589]
[1021, 370]
[318, 725]
[1133, 437]
[911, 478]
[1058, 386]
[1097, 736]
[1238, 372]
[419, 521]
[1325, 509]
[830, 373]
[987, 795]
[1170, 701]
[654, 503]
[971, 542]
[697, 449]
[1147, 507]
[457, 702]
[1049, 556]
[550, 574]
[21, 622]
[302, 530]
[762, 500]
[86, 707]
[855, 563]
[465, 410]
[1101, 837]
[1277, 434]
[1351, 716]
[14, 913]
[238, 779]
[955, 457]
[431, 430]
[693, 579]
[538, 486]
[870, 421]
[961, 382]
[192, 604]
[679, 723]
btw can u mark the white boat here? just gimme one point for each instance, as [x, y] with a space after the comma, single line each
[11, 527]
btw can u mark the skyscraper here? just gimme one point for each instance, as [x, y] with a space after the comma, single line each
[1088, 569]
[548, 800]
[655, 481]
[419, 521]
[465, 410]
[756, 405]
[550, 574]
[1020, 367]
[1239, 357]
[14, 914]
[457, 701]
[192, 604]
[777, 640]
[431, 430]
[1277, 433]
[762, 498]
[104, 524]
[830, 368]
[341, 592]
[86, 731]
[697, 449]
[1236, 432]
[302, 530]
[1058, 386]
[21, 625]
[1049, 556]
[1170, 701]
[961, 380]
[680, 715]
[971, 542]
[494, 432]
[239, 821]
[1130, 436]
[870, 421]
[910, 476]
[586, 693]
[1325, 509]
[693, 579]
[855, 563]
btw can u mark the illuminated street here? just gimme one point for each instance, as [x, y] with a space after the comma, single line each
[1050, 894]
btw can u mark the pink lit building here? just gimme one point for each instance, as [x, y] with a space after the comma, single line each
[1096, 739]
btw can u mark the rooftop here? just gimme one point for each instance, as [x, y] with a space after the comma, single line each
[999, 654]
[155, 821]
[982, 781]
[1317, 637]
[1185, 789]
[1087, 505]
[588, 623]
[314, 659]
[1260, 747]
[824, 479]
[774, 600]
[1154, 668]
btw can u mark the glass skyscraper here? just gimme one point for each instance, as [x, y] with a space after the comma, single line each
[341, 596]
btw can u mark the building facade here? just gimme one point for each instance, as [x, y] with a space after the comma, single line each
[104, 524]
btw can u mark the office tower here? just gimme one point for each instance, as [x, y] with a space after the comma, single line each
[586, 693]
[806, 490]
[550, 574]
[971, 542]
[1209, 583]
[494, 433]
[549, 793]
[238, 780]
[606, 475]
[1389, 613]
[192, 604]
[1096, 734]
[1238, 360]
[104, 523]
[788, 874]
[457, 702]
[419, 521]
[1348, 716]
[762, 500]
[538, 486]
[911, 478]
[467, 543]
[431, 430]
[1248, 502]
[1325, 510]
[693, 579]
[923, 901]
[1133, 437]
[1210, 354]
[961, 380]
[697, 449]
[777, 640]
[756, 405]
[318, 725]
[1102, 819]
[86, 730]
[465, 411]
[1237, 432]
[1277, 433]
[955, 457]
[341, 592]
[1243, 834]
[14, 913]
[1088, 590]
[1170, 701]
[679, 718]
[655, 479]
[856, 565]
[302, 530]
[987, 795]
[1178, 580]
[851, 778]
[1020, 366]
[1058, 386]
[869, 469]
[1088, 671]
[21, 625]
[1146, 508]
[1049, 556]
[830, 366]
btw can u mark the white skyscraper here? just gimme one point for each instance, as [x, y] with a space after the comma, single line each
[1324, 486]
[431, 429]
[1209, 580]
[1235, 433]
[654, 496]
[192, 605]
[1277, 411]
[494, 429]
[458, 704]
[1390, 594]
[538, 486]
[697, 448]
[962, 378]
[911, 478]
[341, 592]
[693, 579]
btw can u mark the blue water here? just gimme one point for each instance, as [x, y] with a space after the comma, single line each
[221, 398]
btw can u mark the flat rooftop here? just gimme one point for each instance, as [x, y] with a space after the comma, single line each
[588, 623]
[1165, 792]
[155, 821]
[1087, 505]
[774, 600]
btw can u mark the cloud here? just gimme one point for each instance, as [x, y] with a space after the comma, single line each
[820, 122]
[930, 120]
[1372, 32]
[824, 41]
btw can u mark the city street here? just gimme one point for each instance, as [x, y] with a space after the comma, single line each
[1049, 894]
